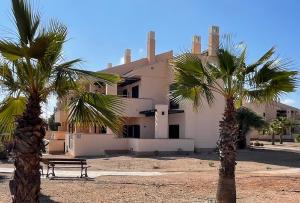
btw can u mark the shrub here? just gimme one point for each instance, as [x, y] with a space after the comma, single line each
[297, 138]
[256, 144]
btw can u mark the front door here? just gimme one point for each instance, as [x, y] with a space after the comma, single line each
[173, 131]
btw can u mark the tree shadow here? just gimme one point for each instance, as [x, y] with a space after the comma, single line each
[46, 199]
[265, 156]
[280, 158]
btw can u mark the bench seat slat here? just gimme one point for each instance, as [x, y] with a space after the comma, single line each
[66, 163]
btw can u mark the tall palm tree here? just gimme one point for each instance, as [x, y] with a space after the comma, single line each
[263, 81]
[32, 68]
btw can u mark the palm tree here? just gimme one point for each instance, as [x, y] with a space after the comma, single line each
[32, 68]
[278, 126]
[263, 81]
[247, 119]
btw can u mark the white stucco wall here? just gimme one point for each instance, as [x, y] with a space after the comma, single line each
[203, 125]
[96, 144]
[161, 145]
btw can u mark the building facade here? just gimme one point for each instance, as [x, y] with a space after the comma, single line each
[152, 122]
[274, 110]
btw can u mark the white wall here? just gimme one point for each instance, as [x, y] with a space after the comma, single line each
[203, 126]
[161, 145]
[96, 144]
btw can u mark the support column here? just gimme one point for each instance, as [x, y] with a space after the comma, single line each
[161, 121]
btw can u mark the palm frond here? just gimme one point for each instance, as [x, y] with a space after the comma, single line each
[10, 109]
[27, 22]
[191, 80]
[90, 109]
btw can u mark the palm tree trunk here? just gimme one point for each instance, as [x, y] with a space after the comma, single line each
[273, 138]
[28, 144]
[226, 192]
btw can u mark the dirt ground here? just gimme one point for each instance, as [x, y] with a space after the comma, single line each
[190, 178]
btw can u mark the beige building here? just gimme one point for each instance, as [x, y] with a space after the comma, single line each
[275, 110]
[153, 123]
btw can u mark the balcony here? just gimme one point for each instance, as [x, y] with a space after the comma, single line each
[133, 106]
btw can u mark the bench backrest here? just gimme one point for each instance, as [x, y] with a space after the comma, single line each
[64, 161]
[67, 162]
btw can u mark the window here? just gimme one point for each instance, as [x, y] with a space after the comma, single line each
[125, 93]
[135, 92]
[102, 130]
[173, 131]
[281, 113]
[131, 131]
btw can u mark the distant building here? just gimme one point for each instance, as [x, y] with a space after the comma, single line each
[275, 110]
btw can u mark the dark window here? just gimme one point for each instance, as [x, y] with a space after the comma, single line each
[173, 105]
[131, 131]
[135, 92]
[125, 93]
[103, 130]
[173, 131]
[136, 131]
[281, 113]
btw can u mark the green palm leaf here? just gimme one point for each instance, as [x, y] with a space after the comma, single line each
[10, 109]
[89, 109]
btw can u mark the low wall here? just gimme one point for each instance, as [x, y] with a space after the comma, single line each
[95, 144]
[79, 144]
[56, 146]
[161, 145]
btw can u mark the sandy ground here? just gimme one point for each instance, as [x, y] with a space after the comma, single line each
[261, 176]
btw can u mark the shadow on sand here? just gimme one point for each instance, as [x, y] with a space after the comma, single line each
[46, 199]
[280, 158]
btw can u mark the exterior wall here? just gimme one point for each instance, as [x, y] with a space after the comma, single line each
[94, 144]
[133, 106]
[203, 126]
[56, 146]
[161, 121]
[161, 145]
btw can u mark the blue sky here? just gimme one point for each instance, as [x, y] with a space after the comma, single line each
[100, 30]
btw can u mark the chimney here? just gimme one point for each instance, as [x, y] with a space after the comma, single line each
[127, 56]
[151, 46]
[109, 65]
[213, 41]
[196, 45]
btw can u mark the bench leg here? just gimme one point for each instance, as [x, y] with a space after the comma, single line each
[53, 174]
[81, 172]
[86, 175]
[47, 175]
[41, 168]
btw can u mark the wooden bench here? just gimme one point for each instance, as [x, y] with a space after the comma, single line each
[53, 163]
